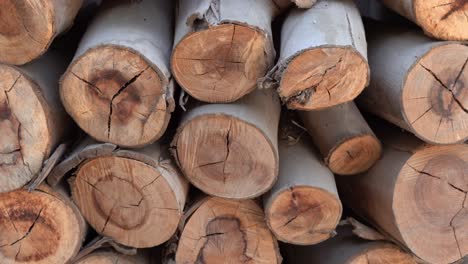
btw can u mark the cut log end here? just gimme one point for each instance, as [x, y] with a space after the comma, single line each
[224, 231]
[38, 227]
[304, 215]
[222, 63]
[382, 255]
[355, 155]
[25, 137]
[432, 188]
[116, 96]
[127, 200]
[226, 157]
[323, 77]
[436, 92]
[442, 19]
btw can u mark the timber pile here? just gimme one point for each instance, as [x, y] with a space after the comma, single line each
[373, 127]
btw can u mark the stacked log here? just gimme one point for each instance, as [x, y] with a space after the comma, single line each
[32, 119]
[227, 231]
[135, 197]
[418, 84]
[27, 28]
[323, 58]
[112, 257]
[230, 150]
[118, 89]
[221, 48]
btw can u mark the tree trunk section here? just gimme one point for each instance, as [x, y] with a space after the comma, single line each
[118, 87]
[41, 227]
[27, 28]
[303, 206]
[344, 138]
[112, 257]
[323, 60]
[136, 197]
[221, 48]
[439, 19]
[417, 194]
[348, 248]
[32, 119]
[230, 150]
[418, 84]
[227, 231]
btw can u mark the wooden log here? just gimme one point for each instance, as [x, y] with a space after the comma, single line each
[344, 138]
[227, 231]
[230, 150]
[321, 65]
[136, 197]
[284, 4]
[112, 257]
[32, 119]
[42, 226]
[416, 194]
[347, 248]
[221, 48]
[118, 87]
[27, 28]
[418, 84]
[439, 19]
[303, 206]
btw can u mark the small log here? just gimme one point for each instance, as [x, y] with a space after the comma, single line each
[418, 84]
[135, 197]
[323, 60]
[416, 194]
[439, 19]
[227, 231]
[118, 87]
[284, 4]
[230, 150]
[42, 226]
[27, 28]
[111, 257]
[222, 48]
[303, 206]
[344, 138]
[32, 119]
[347, 248]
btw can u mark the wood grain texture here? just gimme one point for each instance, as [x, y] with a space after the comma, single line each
[111, 257]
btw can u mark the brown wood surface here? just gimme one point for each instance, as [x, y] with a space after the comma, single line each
[112, 257]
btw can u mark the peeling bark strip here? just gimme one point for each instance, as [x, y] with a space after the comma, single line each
[222, 47]
[418, 84]
[303, 206]
[230, 150]
[27, 28]
[415, 195]
[109, 256]
[41, 226]
[323, 60]
[442, 19]
[347, 248]
[344, 138]
[118, 87]
[227, 231]
[135, 197]
[32, 120]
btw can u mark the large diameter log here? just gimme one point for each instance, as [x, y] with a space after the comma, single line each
[323, 60]
[418, 84]
[40, 227]
[112, 257]
[343, 137]
[118, 87]
[27, 28]
[303, 206]
[222, 48]
[135, 197]
[230, 150]
[439, 19]
[417, 194]
[227, 231]
[347, 248]
[32, 119]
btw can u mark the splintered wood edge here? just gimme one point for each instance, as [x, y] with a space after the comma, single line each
[123, 104]
[303, 215]
[383, 253]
